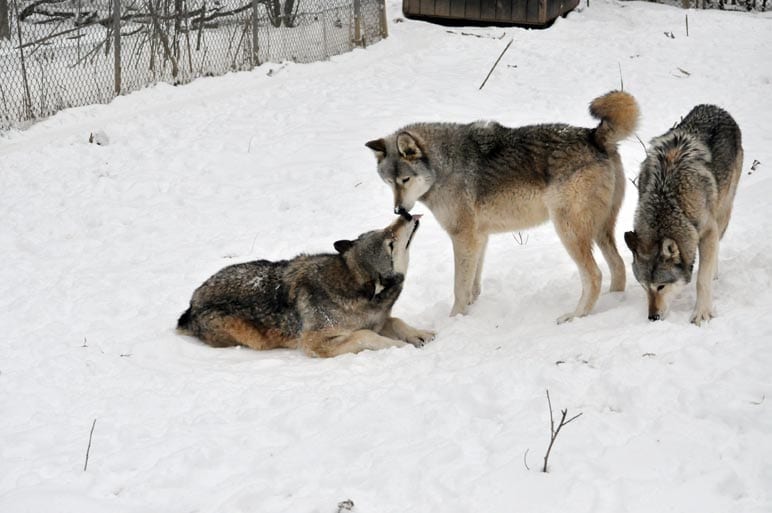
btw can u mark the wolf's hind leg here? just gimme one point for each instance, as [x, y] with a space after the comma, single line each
[616, 265]
[576, 237]
[223, 330]
[399, 329]
[325, 344]
[476, 286]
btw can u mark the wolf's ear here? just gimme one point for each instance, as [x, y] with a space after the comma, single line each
[379, 148]
[341, 246]
[631, 239]
[670, 250]
[408, 147]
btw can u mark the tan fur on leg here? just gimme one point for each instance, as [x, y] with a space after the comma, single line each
[398, 329]
[467, 249]
[703, 309]
[325, 344]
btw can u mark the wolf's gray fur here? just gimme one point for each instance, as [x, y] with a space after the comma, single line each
[686, 189]
[483, 178]
[325, 304]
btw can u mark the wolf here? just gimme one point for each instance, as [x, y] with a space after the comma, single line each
[686, 190]
[483, 178]
[324, 304]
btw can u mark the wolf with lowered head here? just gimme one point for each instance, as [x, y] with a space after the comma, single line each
[686, 190]
[483, 178]
[326, 304]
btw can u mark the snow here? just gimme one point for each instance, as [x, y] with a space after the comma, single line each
[105, 244]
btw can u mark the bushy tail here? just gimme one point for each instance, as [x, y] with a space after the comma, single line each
[618, 115]
[183, 323]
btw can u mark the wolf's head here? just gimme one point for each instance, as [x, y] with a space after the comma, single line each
[403, 164]
[379, 258]
[661, 269]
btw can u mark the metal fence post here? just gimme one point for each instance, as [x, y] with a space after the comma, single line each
[357, 22]
[117, 45]
[382, 20]
[255, 45]
[5, 26]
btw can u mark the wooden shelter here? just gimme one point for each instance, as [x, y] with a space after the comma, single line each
[516, 12]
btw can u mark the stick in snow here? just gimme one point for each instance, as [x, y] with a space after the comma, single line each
[496, 63]
[553, 431]
[88, 449]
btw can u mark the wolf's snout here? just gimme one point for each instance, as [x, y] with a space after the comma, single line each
[402, 212]
[654, 317]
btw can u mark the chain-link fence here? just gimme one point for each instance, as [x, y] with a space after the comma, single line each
[56, 54]
[725, 5]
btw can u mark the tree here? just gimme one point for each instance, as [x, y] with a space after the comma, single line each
[5, 28]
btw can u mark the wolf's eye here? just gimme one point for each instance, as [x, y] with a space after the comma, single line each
[391, 245]
[404, 180]
[659, 289]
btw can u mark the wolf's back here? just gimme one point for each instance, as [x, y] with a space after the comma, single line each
[618, 114]
[719, 132]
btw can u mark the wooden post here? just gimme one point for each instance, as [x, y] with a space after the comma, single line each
[117, 45]
[384, 26]
[357, 22]
[5, 26]
[27, 95]
[255, 45]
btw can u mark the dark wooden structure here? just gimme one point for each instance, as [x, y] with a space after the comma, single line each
[515, 12]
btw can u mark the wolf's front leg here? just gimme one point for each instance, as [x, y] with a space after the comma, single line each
[328, 343]
[399, 329]
[703, 309]
[467, 254]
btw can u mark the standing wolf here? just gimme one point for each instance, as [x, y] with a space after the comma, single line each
[325, 305]
[686, 189]
[483, 178]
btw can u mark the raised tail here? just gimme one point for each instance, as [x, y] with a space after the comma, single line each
[618, 114]
[183, 323]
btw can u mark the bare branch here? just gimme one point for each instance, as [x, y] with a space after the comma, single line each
[555, 431]
[496, 63]
[88, 449]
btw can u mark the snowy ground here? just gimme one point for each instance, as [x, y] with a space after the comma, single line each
[104, 246]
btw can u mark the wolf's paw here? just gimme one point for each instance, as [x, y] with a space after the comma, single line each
[566, 318]
[459, 308]
[419, 338]
[701, 314]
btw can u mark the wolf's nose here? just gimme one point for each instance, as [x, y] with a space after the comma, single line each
[654, 317]
[404, 213]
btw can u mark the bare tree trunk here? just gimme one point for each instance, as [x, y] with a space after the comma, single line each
[5, 27]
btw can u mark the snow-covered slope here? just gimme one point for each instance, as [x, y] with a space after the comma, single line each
[103, 246]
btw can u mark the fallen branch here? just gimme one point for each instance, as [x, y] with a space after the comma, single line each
[553, 430]
[88, 449]
[496, 63]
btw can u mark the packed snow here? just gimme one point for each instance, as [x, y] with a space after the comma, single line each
[104, 245]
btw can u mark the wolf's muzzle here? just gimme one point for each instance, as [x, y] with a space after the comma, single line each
[404, 213]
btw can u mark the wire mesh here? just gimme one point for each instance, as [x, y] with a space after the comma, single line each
[56, 54]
